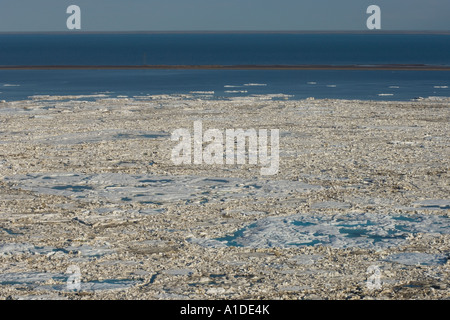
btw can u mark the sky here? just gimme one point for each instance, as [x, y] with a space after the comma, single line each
[223, 15]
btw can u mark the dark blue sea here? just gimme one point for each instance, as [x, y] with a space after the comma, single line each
[226, 49]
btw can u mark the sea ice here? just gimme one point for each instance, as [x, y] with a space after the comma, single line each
[433, 204]
[331, 205]
[364, 230]
[89, 251]
[20, 278]
[98, 136]
[23, 248]
[156, 189]
[179, 272]
[418, 258]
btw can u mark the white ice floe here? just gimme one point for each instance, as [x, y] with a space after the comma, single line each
[38, 281]
[118, 187]
[385, 94]
[90, 251]
[151, 211]
[440, 87]
[418, 258]
[435, 98]
[10, 249]
[305, 259]
[236, 91]
[364, 230]
[295, 288]
[91, 286]
[255, 84]
[442, 204]
[108, 285]
[47, 97]
[7, 249]
[170, 296]
[41, 297]
[271, 96]
[330, 205]
[250, 213]
[28, 278]
[99, 136]
[179, 272]
[202, 92]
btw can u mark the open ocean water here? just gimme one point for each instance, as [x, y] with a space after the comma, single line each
[225, 49]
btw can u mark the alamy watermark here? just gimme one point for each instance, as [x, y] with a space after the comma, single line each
[374, 21]
[374, 281]
[74, 20]
[228, 146]
[74, 279]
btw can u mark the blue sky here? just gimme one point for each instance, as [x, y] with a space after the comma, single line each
[225, 15]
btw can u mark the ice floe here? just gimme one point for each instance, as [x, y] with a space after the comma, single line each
[364, 230]
[418, 258]
[38, 280]
[147, 188]
[236, 91]
[433, 204]
[7, 249]
[305, 259]
[89, 251]
[99, 136]
[179, 272]
[330, 205]
[27, 278]
[66, 97]
[202, 92]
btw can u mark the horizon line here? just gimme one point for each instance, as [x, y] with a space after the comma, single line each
[438, 32]
[399, 67]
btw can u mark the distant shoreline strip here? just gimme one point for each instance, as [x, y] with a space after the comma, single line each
[411, 67]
